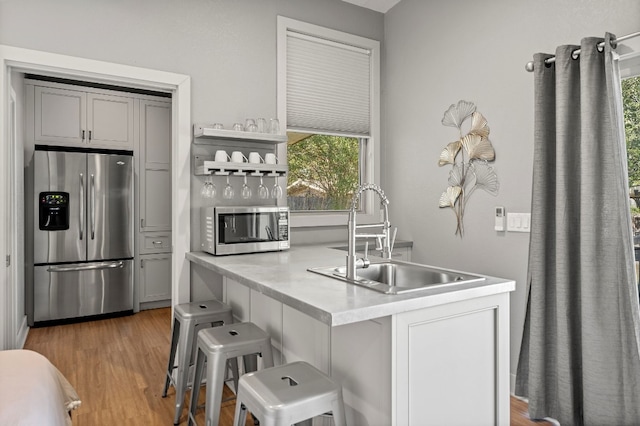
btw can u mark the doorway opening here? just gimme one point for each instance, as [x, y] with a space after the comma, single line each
[15, 63]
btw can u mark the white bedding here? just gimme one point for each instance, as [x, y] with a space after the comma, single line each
[33, 391]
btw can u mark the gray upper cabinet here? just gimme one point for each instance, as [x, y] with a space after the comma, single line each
[78, 118]
[155, 166]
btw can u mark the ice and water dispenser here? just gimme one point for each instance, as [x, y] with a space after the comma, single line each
[54, 211]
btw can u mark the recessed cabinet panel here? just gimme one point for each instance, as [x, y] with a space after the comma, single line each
[155, 206]
[238, 297]
[155, 277]
[155, 135]
[266, 313]
[110, 120]
[59, 115]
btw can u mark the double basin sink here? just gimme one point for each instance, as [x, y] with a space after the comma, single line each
[395, 277]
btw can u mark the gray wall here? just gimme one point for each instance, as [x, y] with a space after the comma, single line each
[228, 47]
[438, 52]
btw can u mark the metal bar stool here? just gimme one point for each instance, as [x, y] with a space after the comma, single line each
[216, 346]
[288, 394]
[187, 319]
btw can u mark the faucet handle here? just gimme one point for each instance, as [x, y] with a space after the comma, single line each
[393, 240]
[366, 251]
[378, 243]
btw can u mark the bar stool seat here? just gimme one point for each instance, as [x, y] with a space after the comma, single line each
[288, 394]
[216, 346]
[187, 319]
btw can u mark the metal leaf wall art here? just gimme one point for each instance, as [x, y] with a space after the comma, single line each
[469, 158]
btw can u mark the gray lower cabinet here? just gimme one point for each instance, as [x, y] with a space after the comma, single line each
[155, 278]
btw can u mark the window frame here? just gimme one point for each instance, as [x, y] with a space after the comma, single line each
[370, 159]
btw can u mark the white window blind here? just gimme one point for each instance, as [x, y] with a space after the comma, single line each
[328, 86]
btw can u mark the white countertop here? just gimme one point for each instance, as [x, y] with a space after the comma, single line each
[283, 276]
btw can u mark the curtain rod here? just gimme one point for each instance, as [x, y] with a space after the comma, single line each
[529, 66]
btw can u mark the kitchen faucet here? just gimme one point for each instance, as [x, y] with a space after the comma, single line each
[384, 240]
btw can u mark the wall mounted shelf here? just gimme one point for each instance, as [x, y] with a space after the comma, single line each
[224, 168]
[206, 134]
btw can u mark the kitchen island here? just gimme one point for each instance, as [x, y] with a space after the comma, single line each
[436, 356]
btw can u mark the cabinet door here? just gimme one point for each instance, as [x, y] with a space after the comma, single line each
[155, 277]
[155, 166]
[60, 116]
[155, 132]
[109, 121]
[155, 200]
[451, 356]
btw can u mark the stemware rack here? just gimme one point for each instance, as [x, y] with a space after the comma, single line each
[204, 167]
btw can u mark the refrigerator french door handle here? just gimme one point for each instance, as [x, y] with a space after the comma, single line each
[81, 205]
[92, 213]
[102, 265]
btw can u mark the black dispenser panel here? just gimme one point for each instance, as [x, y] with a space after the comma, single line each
[54, 211]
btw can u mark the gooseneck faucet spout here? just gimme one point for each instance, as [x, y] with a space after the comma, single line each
[384, 240]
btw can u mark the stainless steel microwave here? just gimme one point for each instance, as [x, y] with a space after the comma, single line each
[234, 230]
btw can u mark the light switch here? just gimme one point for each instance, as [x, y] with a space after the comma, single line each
[519, 222]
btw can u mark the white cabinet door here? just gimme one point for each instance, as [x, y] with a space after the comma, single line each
[60, 116]
[452, 356]
[155, 166]
[109, 121]
[155, 277]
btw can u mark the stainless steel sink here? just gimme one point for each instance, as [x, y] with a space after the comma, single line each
[392, 277]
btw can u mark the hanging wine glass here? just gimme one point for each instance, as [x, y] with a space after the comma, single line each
[276, 191]
[263, 191]
[208, 188]
[246, 190]
[211, 188]
[205, 189]
[228, 190]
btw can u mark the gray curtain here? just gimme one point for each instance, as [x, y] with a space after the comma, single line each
[580, 355]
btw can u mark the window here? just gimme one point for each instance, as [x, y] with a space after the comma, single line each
[631, 103]
[328, 98]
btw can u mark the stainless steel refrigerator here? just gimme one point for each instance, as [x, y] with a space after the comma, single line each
[82, 234]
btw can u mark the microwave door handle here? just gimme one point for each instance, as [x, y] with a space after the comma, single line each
[81, 205]
[92, 213]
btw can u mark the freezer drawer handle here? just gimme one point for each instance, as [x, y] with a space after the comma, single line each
[104, 265]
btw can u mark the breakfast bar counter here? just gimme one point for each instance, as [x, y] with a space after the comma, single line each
[411, 358]
[283, 276]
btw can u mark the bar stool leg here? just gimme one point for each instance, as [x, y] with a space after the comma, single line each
[233, 363]
[216, 367]
[185, 345]
[195, 389]
[172, 356]
[241, 414]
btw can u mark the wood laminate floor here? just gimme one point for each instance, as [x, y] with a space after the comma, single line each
[117, 367]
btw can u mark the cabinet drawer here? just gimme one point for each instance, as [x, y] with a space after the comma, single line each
[160, 243]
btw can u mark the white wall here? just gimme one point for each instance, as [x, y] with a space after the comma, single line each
[438, 52]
